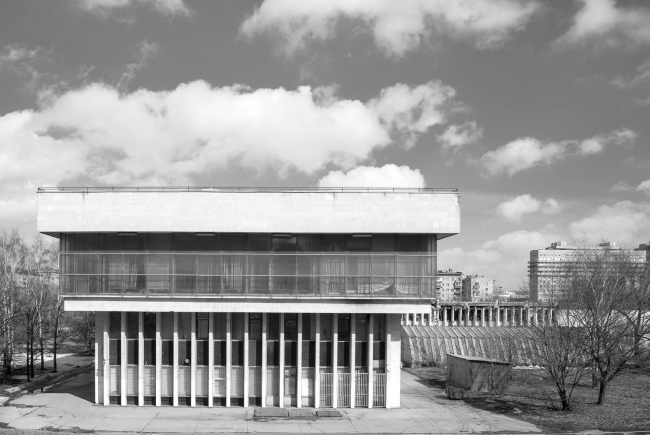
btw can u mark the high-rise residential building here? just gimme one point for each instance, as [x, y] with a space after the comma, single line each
[478, 288]
[248, 296]
[546, 266]
[449, 285]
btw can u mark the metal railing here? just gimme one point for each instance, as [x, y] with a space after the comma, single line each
[326, 389]
[247, 189]
[379, 390]
[343, 396]
[361, 390]
[184, 381]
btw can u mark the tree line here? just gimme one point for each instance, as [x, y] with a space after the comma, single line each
[33, 322]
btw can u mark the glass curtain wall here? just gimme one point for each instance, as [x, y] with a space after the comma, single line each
[183, 263]
[237, 360]
[167, 361]
[220, 354]
[149, 351]
[308, 359]
[290, 358]
[202, 344]
[273, 360]
[132, 327]
[115, 356]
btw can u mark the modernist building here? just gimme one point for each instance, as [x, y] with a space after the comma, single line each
[477, 288]
[449, 285]
[546, 265]
[242, 297]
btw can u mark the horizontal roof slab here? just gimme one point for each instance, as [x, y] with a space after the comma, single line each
[310, 211]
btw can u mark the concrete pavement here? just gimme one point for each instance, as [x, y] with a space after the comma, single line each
[425, 409]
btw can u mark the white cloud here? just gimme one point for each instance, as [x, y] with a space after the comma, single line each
[514, 209]
[396, 27]
[106, 7]
[146, 50]
[457, 136]
[103, 136]
[605, 24]
[367, 176]
[27, 63]
[409, 112]
[528, 152]
[621, 186]
[644, 186]
[625, 222]
[642, 75]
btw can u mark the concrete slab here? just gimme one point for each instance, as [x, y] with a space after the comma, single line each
[425, 410]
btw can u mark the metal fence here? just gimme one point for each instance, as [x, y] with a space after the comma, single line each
[361, 390]
[343, 396]
[237, 382]
[167, 381]
[184, 381]
[326, 389]
[201, 381]
[132, 380]
[379, 390]
[114, 380]
[149, 381]
[219, 381]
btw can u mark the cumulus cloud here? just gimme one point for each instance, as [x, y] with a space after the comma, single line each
[504, 258]
[644, 186]
[368, 176]
[107, 7]
[606, 24]
[528, 152]
[103, 136]
[621, 186]
[514, 209]
[396, 27]
[457, 136]
[625, 222]
[409, 112]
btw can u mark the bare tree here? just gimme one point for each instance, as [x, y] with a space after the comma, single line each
[608, 291]
[12, 259]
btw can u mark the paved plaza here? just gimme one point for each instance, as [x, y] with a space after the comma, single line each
[425, 409]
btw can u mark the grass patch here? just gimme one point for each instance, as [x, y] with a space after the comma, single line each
[531, 397]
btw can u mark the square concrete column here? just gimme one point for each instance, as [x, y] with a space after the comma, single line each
[475, 319]
[123, 358]
[193, 360]
[389, 352]
[498, 312]
[436, 317]
[353, 357]
[521, 317]
[281, 374]
[299, 364]
[265, 325]
[175, 363]
[246, 361]
[99, 357]
[210, 360]
[107, 358]
[228, 357]
[317, 364]
[158, 358]
[453, 316]
[335, 359]
[140, 359]
[371, 343]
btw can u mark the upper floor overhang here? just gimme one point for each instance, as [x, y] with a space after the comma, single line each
[249, 210]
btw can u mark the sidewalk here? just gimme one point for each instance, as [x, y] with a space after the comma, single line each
[424, 409]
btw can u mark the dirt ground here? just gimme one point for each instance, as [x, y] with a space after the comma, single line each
[532, 398]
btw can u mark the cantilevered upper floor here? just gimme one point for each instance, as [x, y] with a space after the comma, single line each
[253, 243]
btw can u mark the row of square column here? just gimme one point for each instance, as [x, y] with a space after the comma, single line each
[102, 376]
[482, 316]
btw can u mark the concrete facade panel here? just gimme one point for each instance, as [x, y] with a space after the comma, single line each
[291, 212]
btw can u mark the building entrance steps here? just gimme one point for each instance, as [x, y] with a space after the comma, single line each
[270, 412]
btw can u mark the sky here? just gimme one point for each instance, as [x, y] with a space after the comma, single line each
[537, 111]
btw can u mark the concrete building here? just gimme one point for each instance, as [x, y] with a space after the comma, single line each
[546, 265]
[449, 285]
[477, 288]
[242, 297]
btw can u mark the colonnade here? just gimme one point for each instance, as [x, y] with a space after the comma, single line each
[482, 314]
[365, 382]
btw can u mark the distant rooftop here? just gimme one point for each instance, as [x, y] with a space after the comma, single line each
[249, 189]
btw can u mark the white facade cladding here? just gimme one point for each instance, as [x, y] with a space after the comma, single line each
[425, 211]
[242, 297]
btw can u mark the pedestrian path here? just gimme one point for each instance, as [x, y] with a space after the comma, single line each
[425, 409]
